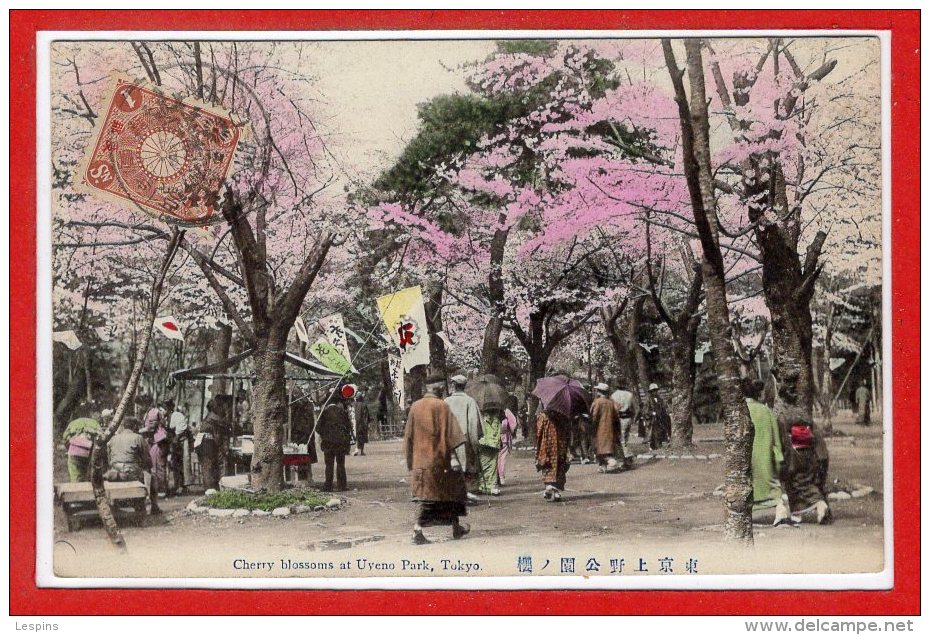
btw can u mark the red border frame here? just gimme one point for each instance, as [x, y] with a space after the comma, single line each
[27, 599]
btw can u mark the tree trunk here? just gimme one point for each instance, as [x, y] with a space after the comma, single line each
[737, 427]
[437, 348]
[490, 346]
[70, 399]
[825, 389]
[217, 352]
[682, 400]
[626, 376]
[269, 411]
[792, 328]
[539, 359]
[88, 378]
[643, 373]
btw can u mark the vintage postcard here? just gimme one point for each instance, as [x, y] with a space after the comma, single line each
[587, 309]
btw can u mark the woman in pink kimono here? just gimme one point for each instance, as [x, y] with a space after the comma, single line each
[508, 431]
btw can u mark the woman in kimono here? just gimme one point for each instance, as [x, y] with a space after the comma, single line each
[489, 447]
[553, 434]
[805, 467]
[508, 432]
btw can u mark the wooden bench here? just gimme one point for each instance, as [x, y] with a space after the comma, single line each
[77, 500]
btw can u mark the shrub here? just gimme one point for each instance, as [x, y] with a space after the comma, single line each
[267, 501]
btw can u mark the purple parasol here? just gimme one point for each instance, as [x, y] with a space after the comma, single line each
[562, 394]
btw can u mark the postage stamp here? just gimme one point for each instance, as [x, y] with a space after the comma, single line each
[168, 157]
[584, 310]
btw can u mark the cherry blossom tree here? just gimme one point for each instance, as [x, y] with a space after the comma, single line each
[280, 218]
[805, 153]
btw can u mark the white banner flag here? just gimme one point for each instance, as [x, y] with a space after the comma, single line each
[169, 327]
[405, 318]
[397, 379]
[445, 339]
[301, 330]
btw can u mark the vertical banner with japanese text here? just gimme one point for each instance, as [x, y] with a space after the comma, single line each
[397, 379]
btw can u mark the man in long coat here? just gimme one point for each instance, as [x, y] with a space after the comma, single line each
[660, 424]
[468, 414]
[606, 424]
[335, 432]
[435, 448]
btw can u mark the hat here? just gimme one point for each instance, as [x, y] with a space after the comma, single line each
[602, 387]
[653, 386]
[435, 379]
[459, 380]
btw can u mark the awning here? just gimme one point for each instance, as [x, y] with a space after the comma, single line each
[211, 370]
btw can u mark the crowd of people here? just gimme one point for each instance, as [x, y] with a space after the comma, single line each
[456, 446]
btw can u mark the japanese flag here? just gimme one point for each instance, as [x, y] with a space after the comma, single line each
[169, 327]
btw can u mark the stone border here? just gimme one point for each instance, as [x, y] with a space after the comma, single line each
[194, 507]
[678, 457]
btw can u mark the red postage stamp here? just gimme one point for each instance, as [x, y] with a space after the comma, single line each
[164, 155]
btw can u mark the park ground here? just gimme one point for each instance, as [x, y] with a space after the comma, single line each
[661, 518]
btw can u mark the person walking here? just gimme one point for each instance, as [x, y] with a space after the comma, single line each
[660, 424]
[182, 435]
[581, 442]
[508, 433]
[155, 432]
[435, 448]
[302, 432]
[606, 424]
[335, 430]
[627, 410]
[553, 431]
[864, 404]
[468, 415]
[213, 435]
[179, 458]
[489, 447]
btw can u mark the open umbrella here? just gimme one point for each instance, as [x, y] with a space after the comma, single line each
[488, 391]
[562, 394]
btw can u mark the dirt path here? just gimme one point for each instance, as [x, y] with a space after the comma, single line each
[663, 509]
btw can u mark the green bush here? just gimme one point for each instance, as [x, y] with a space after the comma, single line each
[267, 501]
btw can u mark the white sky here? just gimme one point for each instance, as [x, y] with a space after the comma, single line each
[370, 91]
